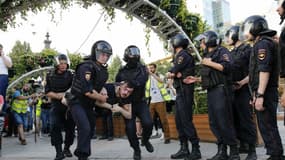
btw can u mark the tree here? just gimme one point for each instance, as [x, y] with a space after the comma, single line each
[114, 68]
[46, 57]
[23, 58]
[75, 59]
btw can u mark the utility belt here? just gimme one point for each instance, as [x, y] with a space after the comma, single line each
[216, 86]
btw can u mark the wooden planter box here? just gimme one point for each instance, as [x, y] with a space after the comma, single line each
[118, 124]
[201, 122]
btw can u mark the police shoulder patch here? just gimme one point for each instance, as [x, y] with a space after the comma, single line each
[87, 76]
[261, 54]
[226, 57]
[180, 59]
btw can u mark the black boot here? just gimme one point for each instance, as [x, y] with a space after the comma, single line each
[59, 153]
[234, 154]
[148, 146]
[195, 154]
[67, 152]
[137, 155]
[182, 152]
[243, 147]
[221, 153]
[251, 153]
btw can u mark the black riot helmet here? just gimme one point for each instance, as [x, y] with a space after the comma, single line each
[61, 58]
[100, 47]
[254, 25]
[132, 54]
[232, 34]
[211, 38]
[179, 40]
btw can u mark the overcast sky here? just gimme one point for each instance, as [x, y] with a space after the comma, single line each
[241, 9]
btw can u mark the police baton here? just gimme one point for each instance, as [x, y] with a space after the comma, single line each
[251, 96]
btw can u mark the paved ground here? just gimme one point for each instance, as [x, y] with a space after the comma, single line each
[118, 149]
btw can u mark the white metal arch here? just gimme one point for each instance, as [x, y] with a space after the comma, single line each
[29, 74]
[151, 15]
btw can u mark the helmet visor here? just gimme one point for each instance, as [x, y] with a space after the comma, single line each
[198, 39]
[244, 34]
[62, 60]
[133, 52]
[228, 37]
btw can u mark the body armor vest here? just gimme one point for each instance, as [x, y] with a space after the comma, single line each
[98, 78]
[188, 70]
[60, 82]
[253, 67]
[132, 74]
[212, 77]
[240, 64]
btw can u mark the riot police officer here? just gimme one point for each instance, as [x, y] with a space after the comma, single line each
[137, 74]
[242, 112]
[184, 66]
[90, 77]
[216, 78]
[59, 80]
[263, 81]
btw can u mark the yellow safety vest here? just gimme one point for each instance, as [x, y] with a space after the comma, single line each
[38, 108]
[163, 91]
[20, 105]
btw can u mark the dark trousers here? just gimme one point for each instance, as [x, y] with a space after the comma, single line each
[3, 88]
[107, 119]
[85, 122]
[12, 126]
[220, 115]
[243, 116]
[184, 115]
[140, 110]
[61, 119]
[267, 123]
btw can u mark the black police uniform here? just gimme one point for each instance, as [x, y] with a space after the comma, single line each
[184, 63]
[89, 76]
[264, 59]
[138, 76]
[242, 111]
[217, 85]
[60, 116]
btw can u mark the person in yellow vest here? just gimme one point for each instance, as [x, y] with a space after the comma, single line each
[158, 95]
[19, 109]
[37, 104]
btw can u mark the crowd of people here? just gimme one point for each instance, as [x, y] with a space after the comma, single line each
[242, 71]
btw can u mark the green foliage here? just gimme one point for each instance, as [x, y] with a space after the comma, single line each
[46, 57]
[162, 68]
[114, 68]
[75, 59]
[23, 58]
[200, 102]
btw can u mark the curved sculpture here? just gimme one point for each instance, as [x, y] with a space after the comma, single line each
[29, 74]
[151, 15]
